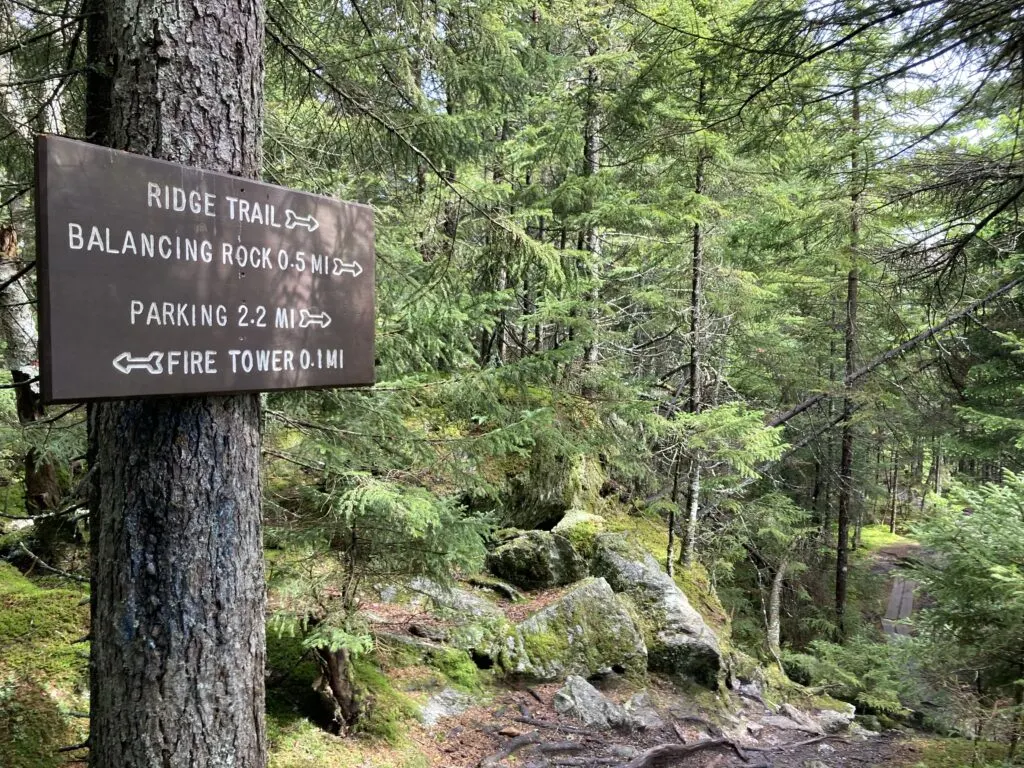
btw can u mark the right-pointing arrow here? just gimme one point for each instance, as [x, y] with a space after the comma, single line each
[151, 363]
[355, 268]
[293, 220]
[307, 318]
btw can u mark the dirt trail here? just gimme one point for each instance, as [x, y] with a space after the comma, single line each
[902, 590]
[521, 728]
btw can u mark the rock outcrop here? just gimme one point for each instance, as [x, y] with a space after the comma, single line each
[537, 560]
[678, 639]
[587, 631]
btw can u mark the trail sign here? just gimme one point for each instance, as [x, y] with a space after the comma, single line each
[158, 279]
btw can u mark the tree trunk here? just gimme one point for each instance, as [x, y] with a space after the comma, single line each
[850, 354]
[694, 402]
[774, 611]
[178, 647]
[689, 555]
[591, 240]
[894, 490]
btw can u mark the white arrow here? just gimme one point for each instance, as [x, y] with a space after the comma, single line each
[307, 318]
[355, 268]
[151, 363]
[293, 220]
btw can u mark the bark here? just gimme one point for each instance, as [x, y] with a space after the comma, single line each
[692, 514]
[775, 610]
[671, 555]
[337, 689]
[850, 355]
[178, 647]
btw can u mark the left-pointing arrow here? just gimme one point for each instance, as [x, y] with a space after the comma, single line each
[151, 363]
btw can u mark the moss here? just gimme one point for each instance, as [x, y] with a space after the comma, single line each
[32, 727]
[42, 673]
[458, 668]
[581, 528]
[388, 711]
[957, 753]
[584, 635]
[547, 647]
[874, 537]
[301, 744]
[696, 585]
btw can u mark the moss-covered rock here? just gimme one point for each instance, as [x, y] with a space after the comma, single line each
[537, 560]
[587, 631]
[553, 483]
[582, 529]
[678, 639]
[479, 626]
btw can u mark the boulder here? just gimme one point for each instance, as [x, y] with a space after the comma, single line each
[447, 703]
[537, 560]
[587, 631]
[678, 639]
[835, 720]
[478, 626]
[642, 714]
[581, 700]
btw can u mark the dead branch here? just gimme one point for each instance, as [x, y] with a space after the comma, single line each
[518, 743]
[665, 755]
[50, 568]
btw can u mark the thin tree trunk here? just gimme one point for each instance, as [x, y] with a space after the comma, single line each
[850, 354]
[591, 239]
[775, 610]
[676, 470]
[177, 664]
[696, 299]
[894, 490]
[692, 514]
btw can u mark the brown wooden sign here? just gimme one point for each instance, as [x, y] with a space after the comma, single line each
[157, 279]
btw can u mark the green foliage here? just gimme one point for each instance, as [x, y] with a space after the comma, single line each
[975, 576]
[864, 672]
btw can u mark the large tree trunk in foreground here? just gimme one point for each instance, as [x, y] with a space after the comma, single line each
[178, 592]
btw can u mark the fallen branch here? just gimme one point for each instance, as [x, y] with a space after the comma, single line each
[533, 737]
[666, 754]
[50, 568]
[554, 747]
[75, 747]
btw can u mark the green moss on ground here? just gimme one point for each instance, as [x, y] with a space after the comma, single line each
[874, 537]
[43, 676]
[956, 753]
[298, 743]
[388, 710]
